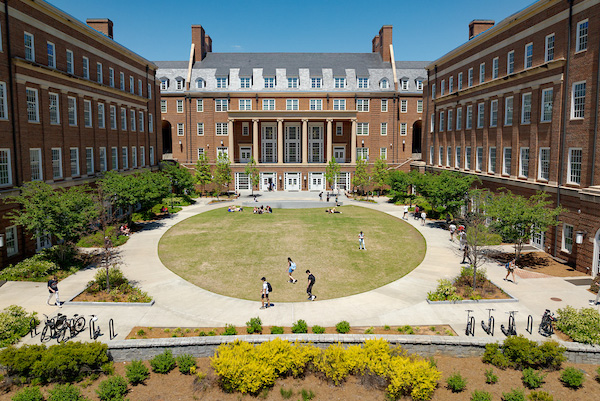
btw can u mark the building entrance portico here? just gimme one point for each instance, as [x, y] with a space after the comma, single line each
[292, 181]
[268, 179]
[316, 181]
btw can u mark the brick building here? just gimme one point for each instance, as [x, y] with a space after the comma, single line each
[517, 105]
[292, 112]
[73, 103]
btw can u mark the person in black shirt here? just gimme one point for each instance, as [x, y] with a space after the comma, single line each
[53, 290]
[311, 282]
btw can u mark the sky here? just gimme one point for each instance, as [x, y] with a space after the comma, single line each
[161, 30]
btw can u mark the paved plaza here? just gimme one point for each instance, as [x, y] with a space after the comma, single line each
[179, 303]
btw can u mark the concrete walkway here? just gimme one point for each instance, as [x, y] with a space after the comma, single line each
[182, 304]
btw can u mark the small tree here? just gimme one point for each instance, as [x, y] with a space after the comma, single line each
[222, 175]
[380, 173]
[180, 177]
[203, 175]
[361, 177]
[253, 174]
[332, 172]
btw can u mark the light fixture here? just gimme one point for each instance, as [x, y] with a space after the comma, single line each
[304, 178]
[208, 146]
[279, 178]
[403, 142]
[179, 143]
[579, 235]
[221, 143]
[1, 240]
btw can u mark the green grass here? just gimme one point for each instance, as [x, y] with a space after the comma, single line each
[228, 253]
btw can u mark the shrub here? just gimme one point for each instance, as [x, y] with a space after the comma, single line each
[514, 395]
[185, 362]
[478, 395]
[411, 376]
[254, 325]
[333, 363]
[115, 278]
[386, 327]
[318, 329]
[582, 325]
[66, 392]
[29, 394]
[490, 377]
[286, 394]
[96, 240]
[307, 395]
[519, 352]
[35, 268]
[572, 378]
[112, 389]
[136, 372]
[540, 396]
[532, 378]
[406, 329]
[14, 324]
[276, 330]
[342, 327]
[370, 330]
[465, 278]
[300, 327]
[456, 383]
[445, 291]
[230, 330]
[163, 363]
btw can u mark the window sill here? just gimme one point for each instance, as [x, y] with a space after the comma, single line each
[545, 121]
[545, 181]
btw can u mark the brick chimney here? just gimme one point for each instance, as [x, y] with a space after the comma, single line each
[382, 42]
[102, 25]
[479, 25]
[202, 43]
[208, 43]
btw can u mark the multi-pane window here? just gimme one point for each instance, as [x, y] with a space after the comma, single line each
[131, 85]
[450, 84]
[35, 164]
[443, 87]
[339, 129]
[70, 66]
[547, 95]
[470, 77]
[114, 157]
[468, 158]
[404, 85]
[102, 158]
[339, 104]
[51, 54]
[163, 106]
[221, 104]
[479, 160]
[149, 89]
[180, 129]
[450, 120]
[526, 108]
[269, 82]
[200, 105]
[133, 157]
[164, 83]
[142, 156]
[87, 113]
[507, 161]
[99, 77]
[122, 82]
[403, 106]
[508, 110]
[141, 120]
[150, 123]
[89, 161]
[221, 128]
[492, 160]
[245, 104]
[403, 128]
[54, 108]
[528, 62]
[419, 106]
[495, 67]
[440, 155]
[199, 128]
[200, 83]
[469, 117]
[432, 123]
[442, 123]
[245, 83]
[140, 92]
[179, 105]
[524, 163]
[339, 83]
[72, 110]
[510, 62]
[363, 83]
[3, 103]
[33, 112]
[567, 238]
[29, 47]
[74, 153]
[57, 163]
[457, 157]
[111, 79]
[549, 53]
[268, 104]
[316, 104]
[315, 83]
[383, 153]
[362, 128]
[481, 73]
[383, 128]
[132, 119]
[5, 168]
[494, 113]
[431, 155]
[101, 117]
[86, 67]
[480, 114]
[293, 104]
[113, 117]
[124, 158]
[578, 100]
[459, 80]
[221, 82]
[459, 118]
[123, 119]
[433, 91]
[544, 164]
[362, 104]
[12, 243]
[362, 153]
[384, 105]
[292, 82]
[200, 152]
[574, 166]
[448, 156]
[582, 36]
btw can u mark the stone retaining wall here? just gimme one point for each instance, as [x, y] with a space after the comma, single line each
[127, 350]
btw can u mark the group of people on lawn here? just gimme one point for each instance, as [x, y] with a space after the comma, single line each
[266, 286]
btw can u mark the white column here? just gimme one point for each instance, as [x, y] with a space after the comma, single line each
[230, 135]
[255, 140]
[280, 141]
[304, 141]
[353, 143]
[329, 140]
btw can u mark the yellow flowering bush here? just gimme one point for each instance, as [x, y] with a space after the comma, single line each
[334, 363]
[414, 377]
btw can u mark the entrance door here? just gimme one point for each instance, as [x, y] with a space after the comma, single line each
[538, 240]
[596, 260]
[316, 182]
[242, 181]
[339, 154]
[267, 179]
[292, 181]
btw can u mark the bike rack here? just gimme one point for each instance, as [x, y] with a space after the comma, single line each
[490, 330]
[472, 332]
[32, 327]
[111, 329]
[92, 330]
[529, 328]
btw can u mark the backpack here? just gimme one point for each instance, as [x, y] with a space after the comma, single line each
[269, 288]
[293, 266]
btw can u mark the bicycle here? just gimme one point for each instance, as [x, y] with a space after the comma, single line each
[546, 328]
[511, 330]
[53, 327]
[489, 327]
[75, 325]
[470, 330]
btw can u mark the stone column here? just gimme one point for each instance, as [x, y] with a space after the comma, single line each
[304, 141]
[329, 140]
[353, 143]
[280, 141]
[255, 140]
[230, 135]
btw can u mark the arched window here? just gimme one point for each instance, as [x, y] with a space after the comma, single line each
[180, 84]
[384, 83]
[200, 83]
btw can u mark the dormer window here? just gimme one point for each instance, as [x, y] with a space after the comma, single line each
[222, 82]
[419, 83]
[200, 83]
[384, 84]
[269, 82]
[404, 84]
[164, 84]
[179, 84]
[363, 83]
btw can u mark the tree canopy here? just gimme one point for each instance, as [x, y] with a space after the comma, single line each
[203, 175]
[181, 178]
[332, 172]
[447, 190]
[361, 177]
[380, 173]
[222, 172]
[253, 174]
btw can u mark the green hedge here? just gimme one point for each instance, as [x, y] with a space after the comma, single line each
[96, 240]
[14, 324]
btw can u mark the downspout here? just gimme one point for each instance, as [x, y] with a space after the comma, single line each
[563, 129]
[595, 139]
[425, 133]
[13, 93]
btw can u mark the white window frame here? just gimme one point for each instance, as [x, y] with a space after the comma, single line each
[547, 100]
[459, 118]
[124, 157]
[123, 119]
[524, 162]
[495, 67]
[222, 82]
[567, 238]
[526, 108]
[3, 102]
[180, 129]
[140, 120]
[57, 167]
[467, 158]
[199, 106]
[469, 117]
[87, 113]
[122, 81]
[132, 119]
[383, 129]
[450, 119]
[582, 36]
[35, 164]
[51, 51]
[316, 82]
[544, 164]
[221, 129]
[101, 116]
[114, 158]
[74, 162]
[442, 120]
[578, 113]
[448, 156]
[362, 129]
[459, 82]
[245, 82]
[131, 85]
[180, 105]
[507, 157]
[113, 117]
[339, 83]
[492, 157]
[292, 82]
[481, 73]
[419, 106]
[528, 56]
[443, 87]
[510, 62]
[457, 157]
[85, 63]
[221, 105]
[150, 123]
[33, 105]
[403, 106]
[508, 110]
[362, 83]
[133, 157]
[29, 47]
[440, 155]
[362, 105]
[404, 85]
[102, 158]
[339, 104]
[200, 129]
[111, 78]
[163, 106]
[550, 43]
[294, 104]
[268, 104]
[451, 84]
[70, 62]
[478, 158]
[384, 105]
[494, 113]
[339, 129]
[89, 161]
[72, 110]
[12, 241]
[480, 114]
[573, 172]
[269, 82]
[470, 78]
[403, 129]
[245, 104]
[5, 168]
[99, 77]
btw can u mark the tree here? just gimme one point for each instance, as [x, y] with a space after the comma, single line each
[446, 191]
[361, 177]
[253, 173]
[380, 173]
[66, 214]
[181, 178]
[222, 171]
[332, 172]
[203, 175]
[518, 219]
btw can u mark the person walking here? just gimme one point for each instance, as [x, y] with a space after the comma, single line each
[291, 268]
[452, 229]
[466, 254]
[321, 196]
[361, 241]
[416, 215]
[311, 282]
[462, 235]
[423, 217]
[510, 269]
[53, 290]
[264, 294]
[404, 216]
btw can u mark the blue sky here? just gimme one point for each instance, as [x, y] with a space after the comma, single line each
[161, 30]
